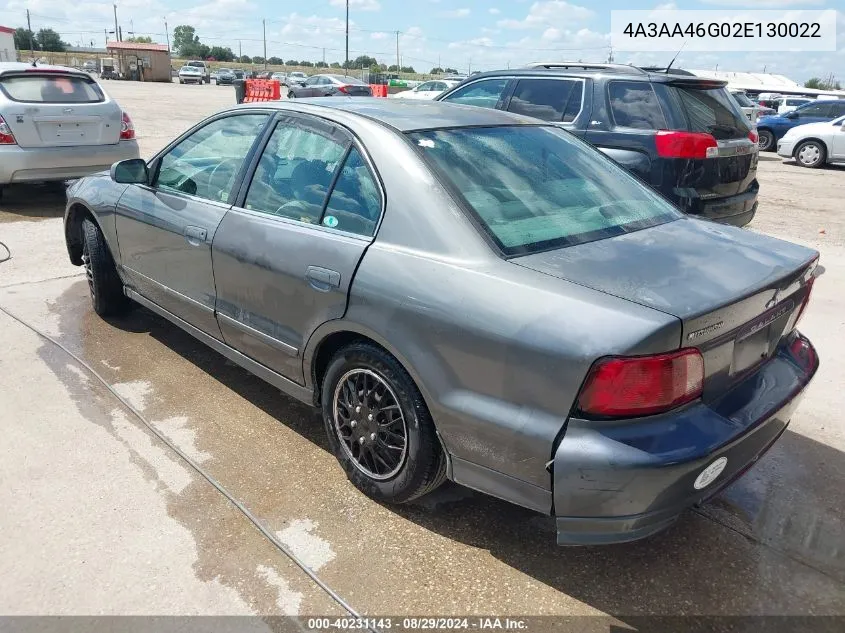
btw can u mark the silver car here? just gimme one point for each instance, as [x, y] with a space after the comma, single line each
[466, 294]
[56, 123]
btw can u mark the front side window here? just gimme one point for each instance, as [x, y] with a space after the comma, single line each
[634, 105]
[485, 93]
[538, 187]
[295, 172]
[51, 89]
[557, 100]
[206, 163]
[816, 109]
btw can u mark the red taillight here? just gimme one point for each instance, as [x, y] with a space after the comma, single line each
[127, 129]
[6, 136]
[343, 89]
[752, 136]
[676, 144]
[642, 385]
[803, 353]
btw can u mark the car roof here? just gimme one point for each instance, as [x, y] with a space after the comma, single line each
[617, 71]
[405, 115]
[16, 67]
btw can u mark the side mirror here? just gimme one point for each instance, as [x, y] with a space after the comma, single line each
[133, 171]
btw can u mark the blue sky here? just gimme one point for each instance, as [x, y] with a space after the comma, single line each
[462, 34]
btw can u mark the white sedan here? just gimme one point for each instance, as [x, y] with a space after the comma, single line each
[427, 90]
[814, 144]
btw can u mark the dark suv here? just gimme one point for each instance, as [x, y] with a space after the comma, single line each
[683, 135]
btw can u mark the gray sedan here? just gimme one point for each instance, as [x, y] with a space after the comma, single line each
[466, 294]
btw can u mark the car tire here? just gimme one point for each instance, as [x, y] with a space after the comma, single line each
[811, 154]
[104, 284]
[291, 94]
[365, 377]
[765, 140]
[181, 82]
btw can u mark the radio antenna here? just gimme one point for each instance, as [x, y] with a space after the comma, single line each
[675, 57]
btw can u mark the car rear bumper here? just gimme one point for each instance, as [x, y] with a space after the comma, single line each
[737, 210]
[622, 481]
[34, 164]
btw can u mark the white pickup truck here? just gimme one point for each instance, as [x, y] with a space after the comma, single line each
[206, 70]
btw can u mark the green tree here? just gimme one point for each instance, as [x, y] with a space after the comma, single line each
[245, 59]
[291, 62]
[436, 71]
[335, 65]
[140, 39]
[49, 40]
[820, 84]
[407, 69]
[323, 65]
[450, 71]
[393, 68]
[276, 61]
[363, 61]
[221, 53]
[185, 40]
[258, 59]
[23, 37]
[306, 64]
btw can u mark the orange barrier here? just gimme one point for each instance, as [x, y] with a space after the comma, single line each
[262, 90]
[378, 90]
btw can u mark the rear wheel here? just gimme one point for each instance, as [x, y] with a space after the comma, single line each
[291, 94]
[765, 140]
[104, 284]
[379, 427]
[810, 154]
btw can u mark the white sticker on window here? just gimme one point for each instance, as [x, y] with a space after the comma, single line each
[330, 221]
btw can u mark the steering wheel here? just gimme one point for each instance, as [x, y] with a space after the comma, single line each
[294, 209]
[231, 165]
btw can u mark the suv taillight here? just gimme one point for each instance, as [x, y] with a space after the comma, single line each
[6, 136]
[127, 129]
[752, 136]
[678, 144]
[618, 387]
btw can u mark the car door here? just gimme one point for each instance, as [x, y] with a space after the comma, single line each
[284, 256]
[813, 113]
[311, 87]
[837, 151]
[165, 229]
[485, 93]
[555, 99]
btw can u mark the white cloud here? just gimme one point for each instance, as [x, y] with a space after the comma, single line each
[494, 12]
[766, 4]
[359, 5]
[668, 6]
[457, 13]
[546, 13]
[379, 36]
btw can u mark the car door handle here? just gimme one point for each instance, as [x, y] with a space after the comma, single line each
[195, 235]
[322, 279]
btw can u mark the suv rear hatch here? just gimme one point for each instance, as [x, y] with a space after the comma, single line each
[737, 293]
[707, 108]
[54, 108]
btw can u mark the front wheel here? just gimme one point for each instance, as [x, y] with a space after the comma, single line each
[291, 94]
[378, 426]
[765, 140]
[810, 154]
[104, 284]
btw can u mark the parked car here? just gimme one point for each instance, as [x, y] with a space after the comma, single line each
[330, 86]
[280, 77]
[770, 129]
[788, 104]
[750, 109]
[427, 90]
[225, 77]
[205, 69]
[90, 66]
[239, 73]
[571, 342]
[191, 75]
[815, 144]
[297, 77]
[683, 135]
[57, 124]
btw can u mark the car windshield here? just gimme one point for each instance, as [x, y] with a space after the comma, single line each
[534, 188]
[53, 88]
[196, 64]
[712, 110]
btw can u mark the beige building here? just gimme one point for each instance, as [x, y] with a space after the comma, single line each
[141, 62]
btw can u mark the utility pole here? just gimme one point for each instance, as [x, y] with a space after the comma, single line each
[346, 62]
[398, 66]
[116, 30]
[106, 35]
[469, 67]
[167, 34]
[29, 28]
[264, 28]
[324, 56]
[240, 51]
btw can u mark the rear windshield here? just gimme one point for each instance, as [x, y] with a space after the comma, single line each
[51, 89]
[533, 188]
[714, 111]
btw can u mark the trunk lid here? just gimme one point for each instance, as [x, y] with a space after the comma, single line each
[736, 292]
[58, 109]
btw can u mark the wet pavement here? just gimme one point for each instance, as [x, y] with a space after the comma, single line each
[100, 516]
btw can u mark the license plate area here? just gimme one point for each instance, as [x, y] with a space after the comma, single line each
[758, 340]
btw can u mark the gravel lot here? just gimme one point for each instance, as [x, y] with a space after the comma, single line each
[101, 517]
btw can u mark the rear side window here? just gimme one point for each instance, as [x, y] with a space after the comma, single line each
[634, 104]
[713, 111]
[556, 100]
[355, 203]
[51, 89]
[815, 110]
[485, 93]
